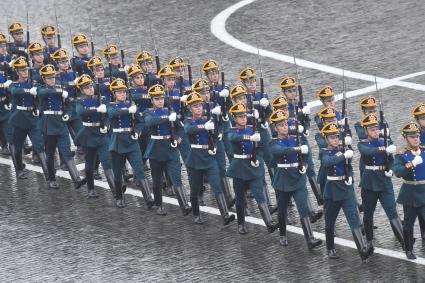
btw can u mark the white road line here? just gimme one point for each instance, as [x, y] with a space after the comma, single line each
[218, 29]
[215, 211]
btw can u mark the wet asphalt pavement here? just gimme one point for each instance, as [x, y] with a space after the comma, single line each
[61, 236]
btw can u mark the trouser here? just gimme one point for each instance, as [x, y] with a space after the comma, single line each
[349, 206]
[196, 180]
[410, 214]
[19, 135]
[300, 197]
[241, 186]
[387, 200]
[92, 154]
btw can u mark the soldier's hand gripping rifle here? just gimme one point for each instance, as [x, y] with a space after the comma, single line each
[346, 129]
[211, 144]
[383, 125]
[102, 127]
[254, 160]
[173, 140]
[65, 117]
[58, 35]
[301, 167]
[225, 115]
[31, 68]
[130, 96]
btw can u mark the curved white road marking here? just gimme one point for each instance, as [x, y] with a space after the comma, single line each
[218, 29]
[215, 211]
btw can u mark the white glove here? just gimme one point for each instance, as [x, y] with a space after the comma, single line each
[300, 129]
[349, 182]
[224, 93]
[304, 149]
[135, 136]
[264, 102]
[36, 113]
[65, 118]
[255, 137]
[8, 106]
[126, 68]
[382, 131]
[132, 109]
[172, 117]
[306, 110]
[101, 108]
[347, 140]
[64, 94]
[341, 122]
[209, 126]
[417, 160]
[256, 114]
[33, 91]
[391, 149]
[75, 81]
[303, 170]
[104, 130]
[216, 110]
[7, 83]
[306, 133]
[389, 173]
[183, 98]
[348, 154]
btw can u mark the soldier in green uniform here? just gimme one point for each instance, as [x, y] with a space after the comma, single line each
[419, 115]
[289, 179]
[375, 180]
[144, 59]
[112, 56]
[5, 100]
[247, 165]
[200, 160]
[339, 191]
[79, 61]
[56, 135]
[18, 46]
[162, 150]
[409, 166]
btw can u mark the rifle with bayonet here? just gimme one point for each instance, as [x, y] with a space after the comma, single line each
[383, 125]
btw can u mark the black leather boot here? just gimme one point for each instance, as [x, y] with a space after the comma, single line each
[267, 217]
[360, 241]
[283, 239]
[109, 174]
[230, 200]
[224, 211]
[17, 162]
[43, 162]
[308, 234]
[240, 213]
[168, 186]
[144, 187]
[51, 172]
[408, 243]
[35, 158]
[398, 230]
[201, 196]
[194, 200]
[157, 195]
[368, 231]
[182, 199]
[91, 193]
[316, 190]
[330, 243]
[119, 198]
[272, 208]
[422, 227]
[75, 176]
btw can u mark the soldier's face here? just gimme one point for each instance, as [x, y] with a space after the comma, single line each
[115, 60]
[413, 141]
[170, 82]
[251, 84]
[158, 102]
[38, 57]
[373, 132]
[369, 111]
[147, 66]
[290, 93]
[421, 121]
[241, 120]
[240, 99]
[2, 49]
[120, 95]
[50, 41]
[196, 109]
[333, 140]
[18, 36]
[83, 49]
[99, 72]
[88, 90]
[329, 102]
[50, 81]
[282, 128]
[63, 65]
[213, 76]
[139, 80]
[179, 71]
[22, 74]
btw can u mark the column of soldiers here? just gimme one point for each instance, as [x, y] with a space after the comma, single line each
[129, 114]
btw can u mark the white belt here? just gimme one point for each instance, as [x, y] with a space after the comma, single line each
[51, 112]
[288, 165]
[242, 156]
[121, 130]
[200, 146]
[24, 108]
[160, 137]
[415, 183]
[87, 124]
[375, 167]
[335, 178]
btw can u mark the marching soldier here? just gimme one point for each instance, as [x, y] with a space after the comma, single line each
[368, 106]
[55, 116]
[97, 71]
[18, 46]
[409, 166]
[201, 161]
[124, 145]
[144, 59]
[162, 149]
[177, 64]
[375, 180]
[35, 51]
[339, 192]
[48, 33]
[112, 56]
[289, 179]
[79, 62]
[419, 115]
[5, 100]
[24, 119]
[93, 135]
[247, 165]
[327, 97]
